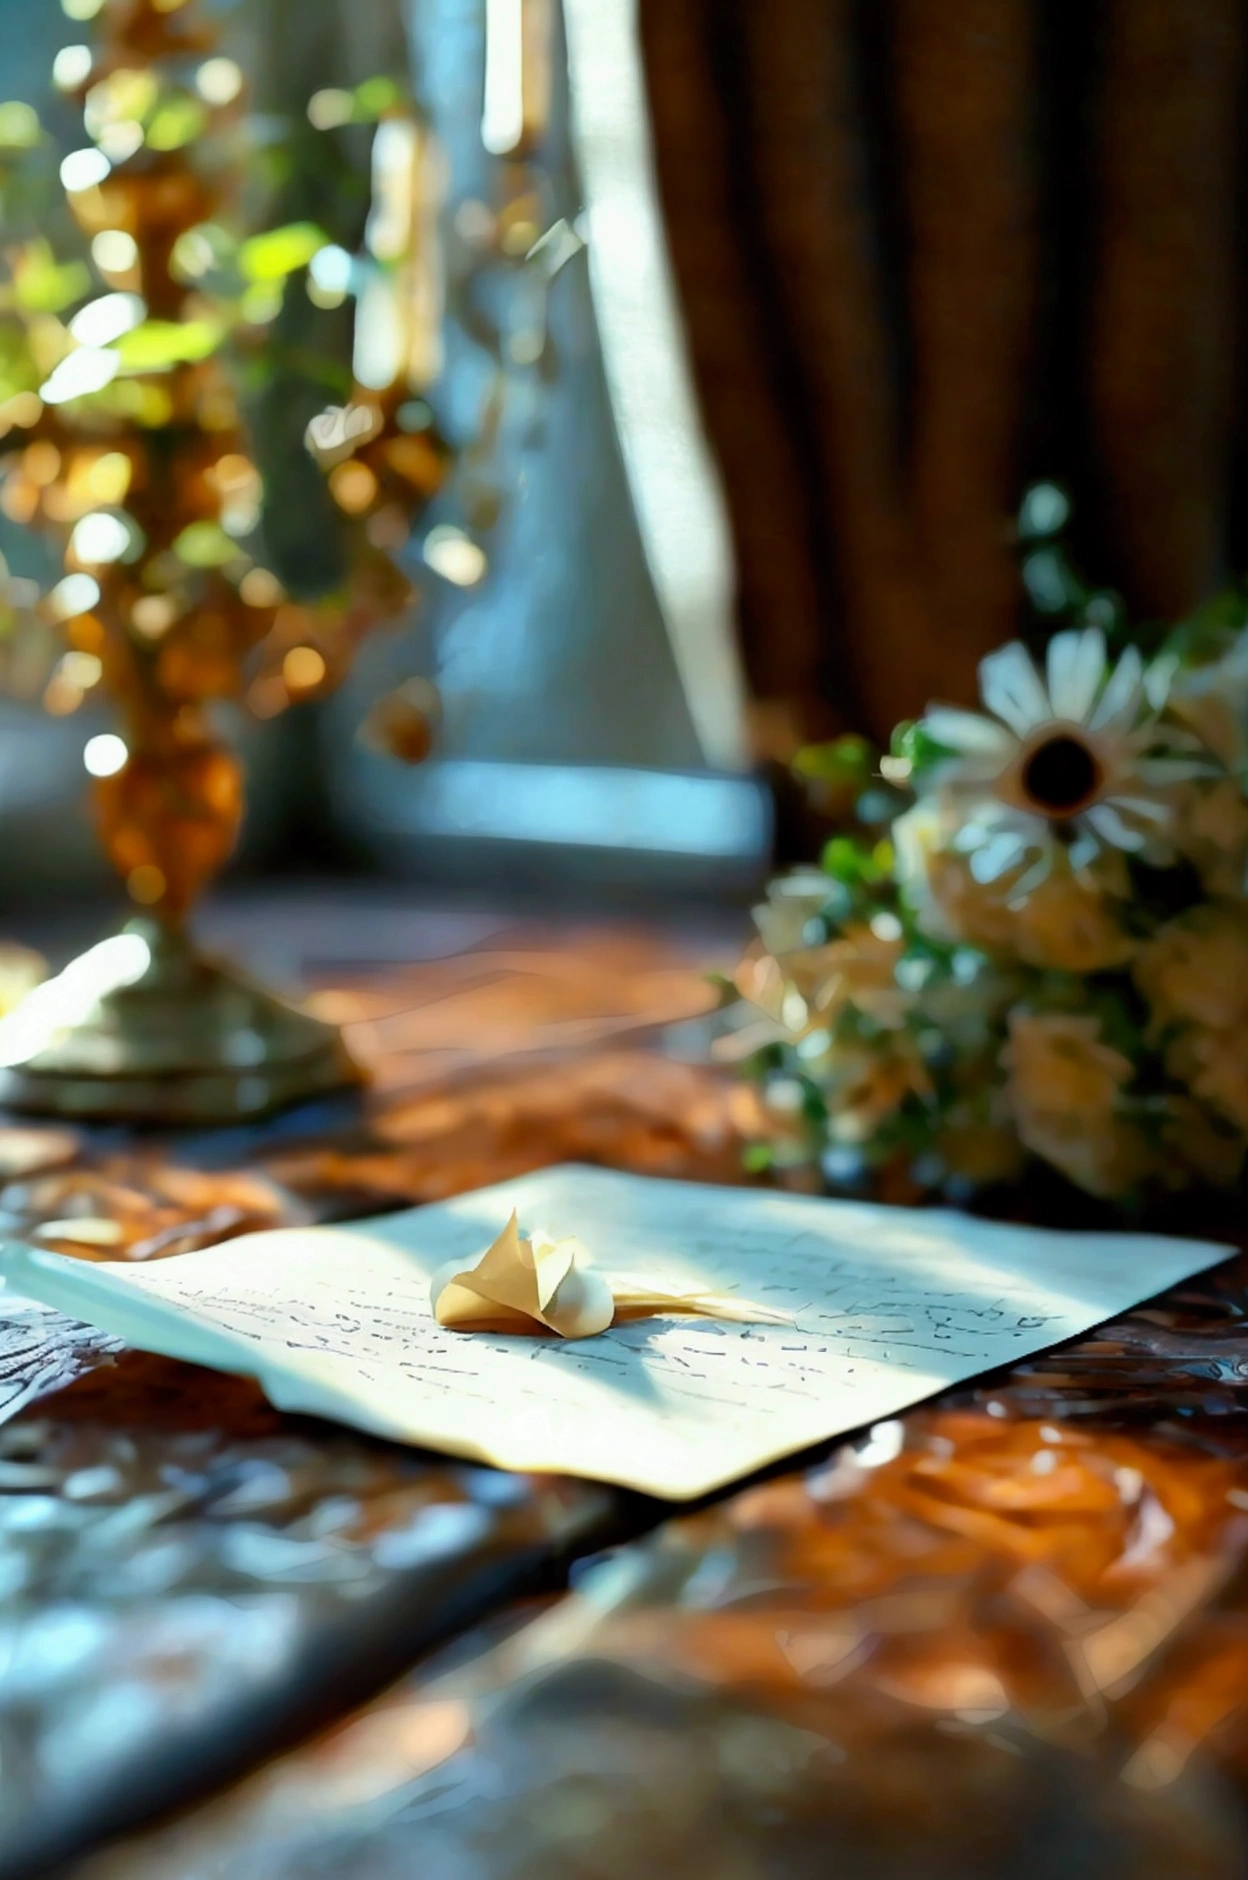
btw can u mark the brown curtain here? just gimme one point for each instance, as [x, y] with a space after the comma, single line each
[930, 250]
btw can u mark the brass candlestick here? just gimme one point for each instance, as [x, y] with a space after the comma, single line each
[125, 435]
[143, 1028]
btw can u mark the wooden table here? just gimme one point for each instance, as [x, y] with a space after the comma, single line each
[1007, 1634]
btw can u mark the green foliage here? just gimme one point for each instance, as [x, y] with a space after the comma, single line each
[846, 762]
[18, 372]
[1059, 594]
[159, 345]
[1052, 585]
[853, 863]
[281, 349]
[42, 284]
[1208, 632]
[915, 747]
[20, 128]
[281, 251]
[176, 120]
[1056, 1019]
[374, 97]
[205, 545]
[1044, 512]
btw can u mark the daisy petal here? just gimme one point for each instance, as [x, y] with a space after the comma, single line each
[997, 857]
[988, 819]
[1011, 688]
[1034, 877]
[1119, 703]
[1143, 808]
[735, 1046]
[1076, 666]
[1083, 852]
[965, 731]
[1162, 770]
[1109, 825]
[1159, 678]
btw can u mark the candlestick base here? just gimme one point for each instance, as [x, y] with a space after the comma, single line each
[144, 1029]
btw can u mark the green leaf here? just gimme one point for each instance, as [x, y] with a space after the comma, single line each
[1052, 585]
[848, 761]
[375, 96]
[205, 545]
[1206, 634]
[1044, 512]
[18, 371]
[916, 746]
[272, 256]
[20, 128]
[176, 121]
[851, 862]
[42, 284]
[261, 303]
[1103, 608]
[158, 345]
[757, 1158]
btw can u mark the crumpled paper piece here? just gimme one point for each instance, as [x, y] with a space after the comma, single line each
[521, 1284]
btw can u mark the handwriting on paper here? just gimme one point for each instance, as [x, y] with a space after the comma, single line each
[882, 1307]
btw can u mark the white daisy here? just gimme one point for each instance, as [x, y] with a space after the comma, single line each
[1069, 758]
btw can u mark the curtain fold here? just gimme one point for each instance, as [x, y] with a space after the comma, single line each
[930, 250]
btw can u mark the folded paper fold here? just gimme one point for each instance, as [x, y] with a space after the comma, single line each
[528, 1284]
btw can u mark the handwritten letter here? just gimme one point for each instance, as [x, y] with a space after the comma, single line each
[886, 1306]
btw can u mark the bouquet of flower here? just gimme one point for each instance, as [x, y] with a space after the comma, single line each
[1030, 939]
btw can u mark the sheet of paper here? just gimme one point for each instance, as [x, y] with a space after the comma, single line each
[887, 1305]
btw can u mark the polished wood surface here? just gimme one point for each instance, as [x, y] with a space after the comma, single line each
[1007, 1634]
[191, 1579]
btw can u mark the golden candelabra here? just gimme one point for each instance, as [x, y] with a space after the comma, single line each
[122, 433]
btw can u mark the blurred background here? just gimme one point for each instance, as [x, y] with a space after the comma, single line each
[474, 446]
[744, 330]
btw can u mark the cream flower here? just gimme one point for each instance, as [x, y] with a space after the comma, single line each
[922, 832]
[1214, 1066]
[864, 1085]
[936, 883]
[1194, 970]
[771, 1009]
[1194, 975]
[1058, 1062]
[1064, 1085]
[793, 903]
[1212, 701]
[1198, 1147]
[858, 970]
[1212, 831]
[796, 999]
[1065, 921]
[966, 1004]
[1069, 758]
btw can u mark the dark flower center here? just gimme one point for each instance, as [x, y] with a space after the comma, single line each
[1060, 775]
